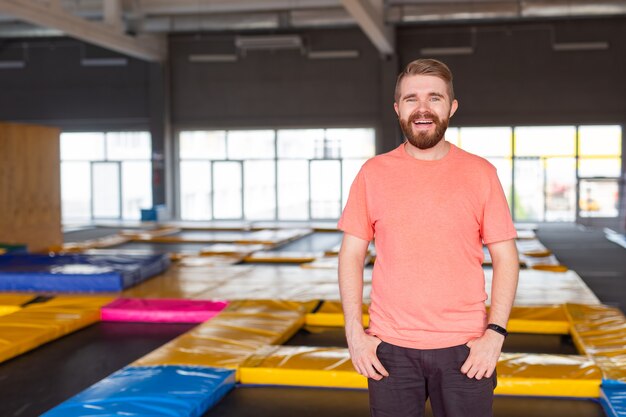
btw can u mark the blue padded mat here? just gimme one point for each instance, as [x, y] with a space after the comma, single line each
[155, 391]
[613, 399]
[77, 272]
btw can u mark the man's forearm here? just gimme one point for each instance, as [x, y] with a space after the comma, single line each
[351, 289]
[503, 285]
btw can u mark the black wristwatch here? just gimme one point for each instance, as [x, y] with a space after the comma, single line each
[498, 329]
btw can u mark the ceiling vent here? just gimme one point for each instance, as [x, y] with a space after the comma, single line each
[273, 42]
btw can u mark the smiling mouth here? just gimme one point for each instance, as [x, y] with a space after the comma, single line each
[422, 122]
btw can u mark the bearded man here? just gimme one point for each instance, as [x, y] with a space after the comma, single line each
[430, 207]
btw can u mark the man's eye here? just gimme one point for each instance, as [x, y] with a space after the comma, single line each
[435, 98]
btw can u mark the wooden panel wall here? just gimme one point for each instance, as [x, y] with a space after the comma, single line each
[30, 186]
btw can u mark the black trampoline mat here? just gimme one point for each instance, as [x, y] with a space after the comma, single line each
[514, 343]
[251, 401]
[315, 242]
[161, 248]
[212, 235]
[89, 233]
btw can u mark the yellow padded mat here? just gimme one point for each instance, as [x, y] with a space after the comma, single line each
[600, 332]
[185, 280]
[283, 257]
[232, 336]
[534, 320]
[10, 303]
[13, 299]
[538, 320]
[40, 323]
[518, 374]
[103, 242]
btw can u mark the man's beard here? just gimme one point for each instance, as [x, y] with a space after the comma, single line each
[424, 140]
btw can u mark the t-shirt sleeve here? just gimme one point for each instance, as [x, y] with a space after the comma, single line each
[355, 219]
[497, 224]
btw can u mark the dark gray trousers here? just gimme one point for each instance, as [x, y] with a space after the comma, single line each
[416, 375]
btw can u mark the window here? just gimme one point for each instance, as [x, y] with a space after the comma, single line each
[284, 174]
[599, 169]
[545, 169]
[105, 175]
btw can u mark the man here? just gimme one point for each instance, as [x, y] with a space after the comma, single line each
[430, 207]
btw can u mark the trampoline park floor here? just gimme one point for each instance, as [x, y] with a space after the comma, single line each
[38, 380]
[42, 378]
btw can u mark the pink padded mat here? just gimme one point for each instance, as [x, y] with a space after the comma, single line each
[161, 310]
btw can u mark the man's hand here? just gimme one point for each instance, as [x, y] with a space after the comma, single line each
[363, 353]
[484, 354]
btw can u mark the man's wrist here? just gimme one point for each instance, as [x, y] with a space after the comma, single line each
[498, 329]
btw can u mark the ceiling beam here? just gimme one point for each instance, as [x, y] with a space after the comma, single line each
[149, 48]
[112, 12]
[370, 16]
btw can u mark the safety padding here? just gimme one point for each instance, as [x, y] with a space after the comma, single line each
[532, 247]
[288, 309]
[10, 303]
[330, 314]
[534, 320]
[526, 234]
[276, 236]
[326, 262]
[549, 267]
[173, 391]
[329, 262]
[531, 252]
[77, 272]
[8, 299]
[600, 332]
[232, 336]
[301, 366]
[147, 234]
[282, 257]
[518, 374]
[548, 375]
[548, 263]
[613, 400]
[103, 242]
[40, 323]
[541, 288]
[161, 310]
[4, 310]
[284, 282]
[231, 249]
[265, 237]
[183, 280]
[538, 320]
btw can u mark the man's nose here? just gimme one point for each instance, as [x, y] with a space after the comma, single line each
[422, 105]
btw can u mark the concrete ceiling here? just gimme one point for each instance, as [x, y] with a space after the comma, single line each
[138, 27]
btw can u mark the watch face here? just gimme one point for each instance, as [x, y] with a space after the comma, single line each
[498, 329]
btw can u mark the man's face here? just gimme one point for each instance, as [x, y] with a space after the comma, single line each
[424, 109]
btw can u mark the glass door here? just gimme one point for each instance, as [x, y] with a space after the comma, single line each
[106, 183]
[227, 190]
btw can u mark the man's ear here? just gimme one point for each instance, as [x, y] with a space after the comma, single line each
[455, 105]
[397, 109]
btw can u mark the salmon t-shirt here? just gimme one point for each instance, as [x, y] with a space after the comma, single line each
[429, 220]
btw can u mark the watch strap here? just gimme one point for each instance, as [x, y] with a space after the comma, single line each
[498, 329]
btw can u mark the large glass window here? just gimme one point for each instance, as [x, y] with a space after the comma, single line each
[543, 169]
[599, 170]
[284, 174]
[105, 175]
